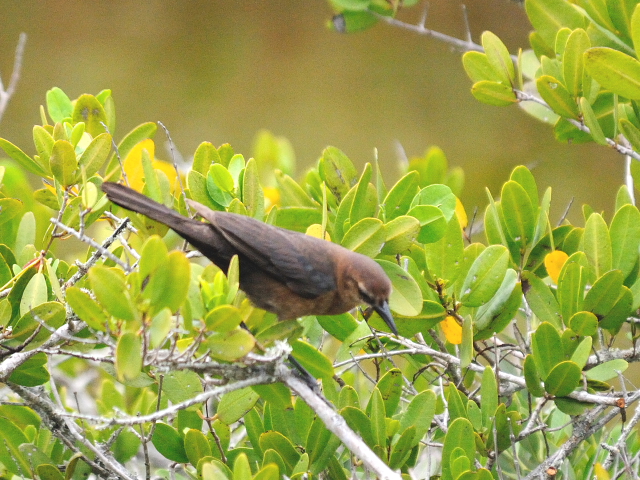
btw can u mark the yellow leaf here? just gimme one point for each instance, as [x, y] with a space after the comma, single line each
[601, 473]
[315, 230]
[133, 165]
[452, 330]
[553, 262]
[461, 214]
[272, 196]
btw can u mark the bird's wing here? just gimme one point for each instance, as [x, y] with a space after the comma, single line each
[288, 256]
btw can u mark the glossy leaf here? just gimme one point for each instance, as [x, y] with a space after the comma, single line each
[584, 323]
[337, 171]
[607, 370]
[89, 110]
[314, 361]
[366, 237]
[518, 213]
[169, 443]
[459, 435]
[398, 200]
[128, 356]
[110, 290]
[390, 386]
[196, 446]
[557, 96]
[590, 120]
[614, 70]
[282, 445]
[485, 276]
[445, 257]
[63, 163]
[86, 308]
[597, 245]
[230, 346]
[478, 68]
[498, 57]
[493, 93]
[573, 62]
[59, 105]
[546, 345]
[562, 379]
[604, 293]
[419, 414]
[548, 16]
[401, 233]
[532, 377]
[625, 238]
[406, 298]
[22, 158]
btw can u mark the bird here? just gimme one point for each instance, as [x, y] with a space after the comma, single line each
[282, 271]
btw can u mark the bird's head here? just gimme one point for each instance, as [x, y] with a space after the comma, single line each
[373, 287]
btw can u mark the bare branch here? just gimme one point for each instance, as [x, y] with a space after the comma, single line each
[5, 95]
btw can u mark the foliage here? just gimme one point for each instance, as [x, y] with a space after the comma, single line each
[505, 364]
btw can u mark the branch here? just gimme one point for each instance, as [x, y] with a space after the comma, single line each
[5, 95]
[338, 426]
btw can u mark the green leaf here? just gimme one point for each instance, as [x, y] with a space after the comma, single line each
[281, 444]
[532, 377]
[619, 313]
[22, 158]
[590, 120]
[625, 238]
[252, 194]
[485, 276]
[128, 356]
[557, 96]
[111, 291]
[597, 245]
[584, 323]
[204, 156]
[549, 16]
[562, 379]
[339, 326]
[573, 61]
[419, 414]
[398, 200]
[59, 105]
[390, 386]
[542, 302]
[34, 294]
[169, 285]
[234, 405]
[604, 293]
[181, 385]
[291, 193]
[498, 57]
[230, 346]
[366, 237]
[494, 93]
[63, 163]
[433, 223]
[31, 373]
[546, 345]
[360, 208]
[169, 443]
[445, 257]
[130, 140]
[86, 308]
[580, 355]
[95, 154]
[377, 414]
[401, 233]
[313, 360]
[614, 70]
[459, 435]
[489, 395]
[402, 448]
[478, 68]
[607, 370]
[518, 213]
[43, 141]
[89, 110]
[337, 171]
[359, 422]
[571, 284]
[223, 318]
[9, 209]
[488, 312]
[406, 297]
[196, 446]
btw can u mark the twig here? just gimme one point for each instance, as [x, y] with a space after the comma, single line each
[5, 95]
[90, 241]
[337, 425]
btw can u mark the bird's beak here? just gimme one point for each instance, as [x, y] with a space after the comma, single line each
[385, 313]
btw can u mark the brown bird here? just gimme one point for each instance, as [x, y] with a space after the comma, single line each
[288, 273]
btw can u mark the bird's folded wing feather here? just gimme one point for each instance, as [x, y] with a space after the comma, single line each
[305, 270]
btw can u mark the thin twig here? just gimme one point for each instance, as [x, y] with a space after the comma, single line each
[5, 95]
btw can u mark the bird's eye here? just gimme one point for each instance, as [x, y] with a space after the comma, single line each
[366, 297]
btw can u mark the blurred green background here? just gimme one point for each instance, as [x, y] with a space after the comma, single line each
[222, 70]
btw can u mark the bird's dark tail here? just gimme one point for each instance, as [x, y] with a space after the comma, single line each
[132, 200]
